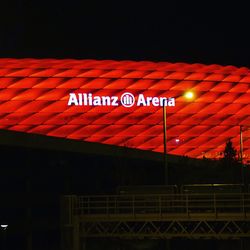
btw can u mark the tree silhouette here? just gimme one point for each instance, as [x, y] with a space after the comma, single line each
[231, 163]
[230, 152]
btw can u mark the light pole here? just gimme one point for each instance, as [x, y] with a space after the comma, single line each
[241, 156]
[188, 95]
[243, 171]
[165, 142]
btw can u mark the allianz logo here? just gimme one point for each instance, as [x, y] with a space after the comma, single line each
[127, 100]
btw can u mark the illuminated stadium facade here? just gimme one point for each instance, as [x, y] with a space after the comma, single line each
[121, 103]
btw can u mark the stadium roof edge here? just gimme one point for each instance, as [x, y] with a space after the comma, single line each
[36, 141]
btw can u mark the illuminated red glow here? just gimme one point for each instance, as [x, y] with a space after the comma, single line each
[34, 95]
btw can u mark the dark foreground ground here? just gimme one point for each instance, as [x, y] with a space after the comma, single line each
[33, 180]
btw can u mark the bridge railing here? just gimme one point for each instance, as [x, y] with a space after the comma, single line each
[163, 204]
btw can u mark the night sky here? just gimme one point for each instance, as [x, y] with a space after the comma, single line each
[126, 30]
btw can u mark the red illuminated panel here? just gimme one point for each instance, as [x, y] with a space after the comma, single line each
[34, 97]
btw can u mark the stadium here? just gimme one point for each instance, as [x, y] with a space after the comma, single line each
[120, 103]
[85, 127]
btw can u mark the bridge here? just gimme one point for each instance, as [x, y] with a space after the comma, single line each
[168, 216]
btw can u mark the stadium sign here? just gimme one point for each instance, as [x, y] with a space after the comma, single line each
[127, 100]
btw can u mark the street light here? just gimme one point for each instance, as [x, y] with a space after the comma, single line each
[188, 95]
[4, 228]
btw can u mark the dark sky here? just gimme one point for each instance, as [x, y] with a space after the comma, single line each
[136, 30]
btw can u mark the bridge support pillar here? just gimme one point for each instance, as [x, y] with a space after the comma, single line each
[83, 244]
[244, 243]
[76, 235]
[167, 244]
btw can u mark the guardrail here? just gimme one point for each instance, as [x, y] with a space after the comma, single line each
[217, 216]
[162, 204]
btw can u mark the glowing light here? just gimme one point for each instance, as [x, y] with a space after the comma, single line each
[4, 226]
[189, 95]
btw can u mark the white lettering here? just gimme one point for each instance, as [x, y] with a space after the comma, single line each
[80, 99]
[155, 101]
[163, 101]
[85, 99]
[171, 101]
[90, 99]
[127, 100]
[149, 99]
[141, 100]
[114, 100]
[97, 101]
[105, 100]
[72, 99]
